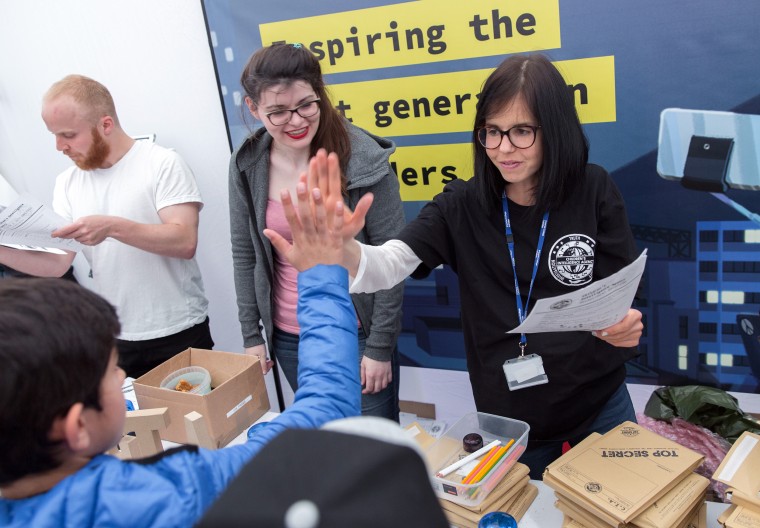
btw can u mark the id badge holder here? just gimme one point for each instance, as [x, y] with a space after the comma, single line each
[525, 371]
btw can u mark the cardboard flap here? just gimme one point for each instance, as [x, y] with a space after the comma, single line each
[740, 468]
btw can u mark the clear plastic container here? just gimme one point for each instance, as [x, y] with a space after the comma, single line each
[448, 450]
[197, 376]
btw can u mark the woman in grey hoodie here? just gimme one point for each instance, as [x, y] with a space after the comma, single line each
[285, 91]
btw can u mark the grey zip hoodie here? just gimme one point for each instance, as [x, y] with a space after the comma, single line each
[368, 171]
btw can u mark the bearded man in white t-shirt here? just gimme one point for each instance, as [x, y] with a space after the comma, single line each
[135, 206]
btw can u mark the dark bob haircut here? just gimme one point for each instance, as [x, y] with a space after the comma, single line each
[565, 148]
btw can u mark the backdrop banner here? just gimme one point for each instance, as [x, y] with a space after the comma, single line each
[655, 85]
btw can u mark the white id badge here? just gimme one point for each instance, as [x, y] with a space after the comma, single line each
[525, 371]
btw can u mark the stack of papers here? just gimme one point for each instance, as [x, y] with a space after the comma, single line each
[740, 471]
[514, 494]
[629, 477]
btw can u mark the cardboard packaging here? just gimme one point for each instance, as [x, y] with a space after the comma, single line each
[675, 509]
[697, 520]
[741, 517]
[500, 499]
[237, 399]
[740, 471]
[516, 506]
[620, 474]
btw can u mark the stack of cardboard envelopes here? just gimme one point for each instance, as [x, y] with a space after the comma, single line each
[513, 494]
[628, 477]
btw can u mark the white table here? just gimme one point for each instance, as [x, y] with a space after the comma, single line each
[542, 513]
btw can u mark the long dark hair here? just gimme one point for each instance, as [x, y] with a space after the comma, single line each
[288, 63]
[565, 147]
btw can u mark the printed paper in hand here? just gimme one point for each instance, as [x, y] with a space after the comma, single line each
[599, 305]
[28, 222]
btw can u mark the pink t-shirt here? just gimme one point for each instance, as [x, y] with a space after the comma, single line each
[285, 287]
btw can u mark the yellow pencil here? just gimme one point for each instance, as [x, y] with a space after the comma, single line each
[494, 460]
[483, 462]
[485, 469]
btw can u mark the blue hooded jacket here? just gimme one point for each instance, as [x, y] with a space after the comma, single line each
[176, 487]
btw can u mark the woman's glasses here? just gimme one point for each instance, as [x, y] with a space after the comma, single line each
[283, 117]
[521, 136]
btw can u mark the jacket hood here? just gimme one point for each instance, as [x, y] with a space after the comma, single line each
[367, 166]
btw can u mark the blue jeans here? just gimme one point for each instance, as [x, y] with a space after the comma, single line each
[618, 409]
[383, 404]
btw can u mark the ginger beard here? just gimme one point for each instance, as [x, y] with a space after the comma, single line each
[97, 153]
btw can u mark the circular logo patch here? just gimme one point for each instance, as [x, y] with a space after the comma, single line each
[571, 260]
[629, 431]
[593, 487]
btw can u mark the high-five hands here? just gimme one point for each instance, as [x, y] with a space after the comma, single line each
[316, 240]
[323, 228]
[324, 173]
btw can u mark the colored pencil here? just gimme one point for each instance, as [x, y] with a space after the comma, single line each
[482, 463]
[488, 467]
[503, 469]
[462, 461]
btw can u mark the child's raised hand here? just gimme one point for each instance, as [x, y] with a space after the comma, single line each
[317, 235]
[324, 174]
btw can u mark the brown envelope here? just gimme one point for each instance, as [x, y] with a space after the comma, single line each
[676, 509]
[723, 517]
[622, 472]
[677, 505]
[504, 500]
[580, 515]
[740, 470]
[516, 507]
[569, 522]
[509, 485]
[419, 434]
[743, 517]
[742, 499]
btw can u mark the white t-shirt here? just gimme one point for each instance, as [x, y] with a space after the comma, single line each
[155, 296]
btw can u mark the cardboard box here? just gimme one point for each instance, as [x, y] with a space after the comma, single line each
[422, 410]
[237, 399]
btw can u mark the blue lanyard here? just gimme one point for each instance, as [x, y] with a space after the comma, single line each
[521, 309]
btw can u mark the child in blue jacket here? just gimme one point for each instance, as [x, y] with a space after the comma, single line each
[62, 405]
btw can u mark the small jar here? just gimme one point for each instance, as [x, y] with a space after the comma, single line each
[497, 520]
[472, 442]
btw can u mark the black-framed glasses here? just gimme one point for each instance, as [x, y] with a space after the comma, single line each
[521, 136]
[283, 117]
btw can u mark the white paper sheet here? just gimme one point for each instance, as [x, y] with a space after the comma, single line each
[28, 222]
[596, 306]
